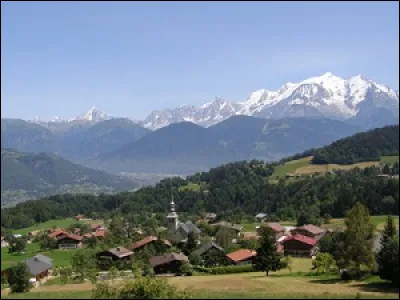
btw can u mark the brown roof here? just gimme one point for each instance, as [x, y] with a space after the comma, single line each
[242, 254]
[94, 226]
[251, 236]
[71, 236]
[167, 258]
[120, 251]
[312, 229]
[302, 239]
[56, 233]
[145, 241]
[276, 227]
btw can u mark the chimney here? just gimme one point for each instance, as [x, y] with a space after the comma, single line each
[118, 248]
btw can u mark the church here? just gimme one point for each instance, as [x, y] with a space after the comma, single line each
[179, 231]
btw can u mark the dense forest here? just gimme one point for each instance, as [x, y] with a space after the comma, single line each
[234, 191]
[365, 146]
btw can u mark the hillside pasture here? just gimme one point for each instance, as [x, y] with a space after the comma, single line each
[304, 166]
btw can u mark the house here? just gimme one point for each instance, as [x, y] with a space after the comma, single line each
[309, 230]
[179, 231]
[95, 227]
[299, 245]
[168, 263]
[114, 254]
[276, 228]
[79, 217]
[208, 247]
[237, 228]
[40, 266]
[261, 217]
[242, 257]
[4, 243]
[66, 240]
[210, 216]
[147, 241]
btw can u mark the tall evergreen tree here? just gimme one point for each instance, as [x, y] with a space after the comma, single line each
[268, 259]
[358, 239]
[387, 257]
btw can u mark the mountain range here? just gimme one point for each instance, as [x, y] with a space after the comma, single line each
[355, 99]
[269, 125]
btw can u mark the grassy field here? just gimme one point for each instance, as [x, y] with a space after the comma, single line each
[300, 283]
[304, 166]
[62, 223]
[378, 221]
[282, 284]
[60, 258]
[190, 187]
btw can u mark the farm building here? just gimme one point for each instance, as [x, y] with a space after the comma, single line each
[149, 240]
[276, 228]
[168, 263]
[299, 245]
[242, 257]
[309, 230]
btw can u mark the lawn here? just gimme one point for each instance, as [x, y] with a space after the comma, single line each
[390, 159]
[60, 258]
[378, 221]
[61, 223]
[256, 285]
[304, 166]
[190, 187]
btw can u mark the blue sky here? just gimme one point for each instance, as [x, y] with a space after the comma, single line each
[129, 58]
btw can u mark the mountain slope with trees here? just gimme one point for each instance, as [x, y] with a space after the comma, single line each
[30, 175]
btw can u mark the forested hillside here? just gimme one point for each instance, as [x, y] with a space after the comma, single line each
[231, 190]
[29, 175]
[365, 146]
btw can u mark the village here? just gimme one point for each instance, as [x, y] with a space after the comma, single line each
[171, 255]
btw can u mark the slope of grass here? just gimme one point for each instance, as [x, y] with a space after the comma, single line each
[390, 159]
[190, 187]
[304, 166]
[61, 258]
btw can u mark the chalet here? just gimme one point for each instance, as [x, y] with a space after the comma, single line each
[145, 242]
[168, 263]
[237, 228]
[208, 247]
[95, 227]
[79, 217]
[66, 240]
[39, 266]
[276, 228]
[299, 245]
[261, 217]
[309, 230]
[251, 236]
[114, 254]
[242, 257]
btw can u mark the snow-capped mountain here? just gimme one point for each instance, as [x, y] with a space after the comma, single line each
[325, 96]
[93, 115]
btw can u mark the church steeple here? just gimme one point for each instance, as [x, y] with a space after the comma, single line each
[172, 218]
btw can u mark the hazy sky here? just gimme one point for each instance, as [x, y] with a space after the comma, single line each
[129, 58]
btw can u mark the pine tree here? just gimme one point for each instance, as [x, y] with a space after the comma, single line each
[387, 257]
[268, 259]
[358, 239]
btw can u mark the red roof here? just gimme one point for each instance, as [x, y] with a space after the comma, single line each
[71, 236]
[301, 238]
[312, 229]
[145, 241]
[242, 254]
[56, 233]
[251, 237]
[94, 226]
[275, 226]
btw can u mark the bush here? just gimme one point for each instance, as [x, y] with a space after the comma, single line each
[232, 269]
[140, 288]
[18, 278]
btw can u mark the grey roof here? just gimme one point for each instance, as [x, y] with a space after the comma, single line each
[44, 258]
[192, 227]
[37, 265]
[261, 215]
[207, 247]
